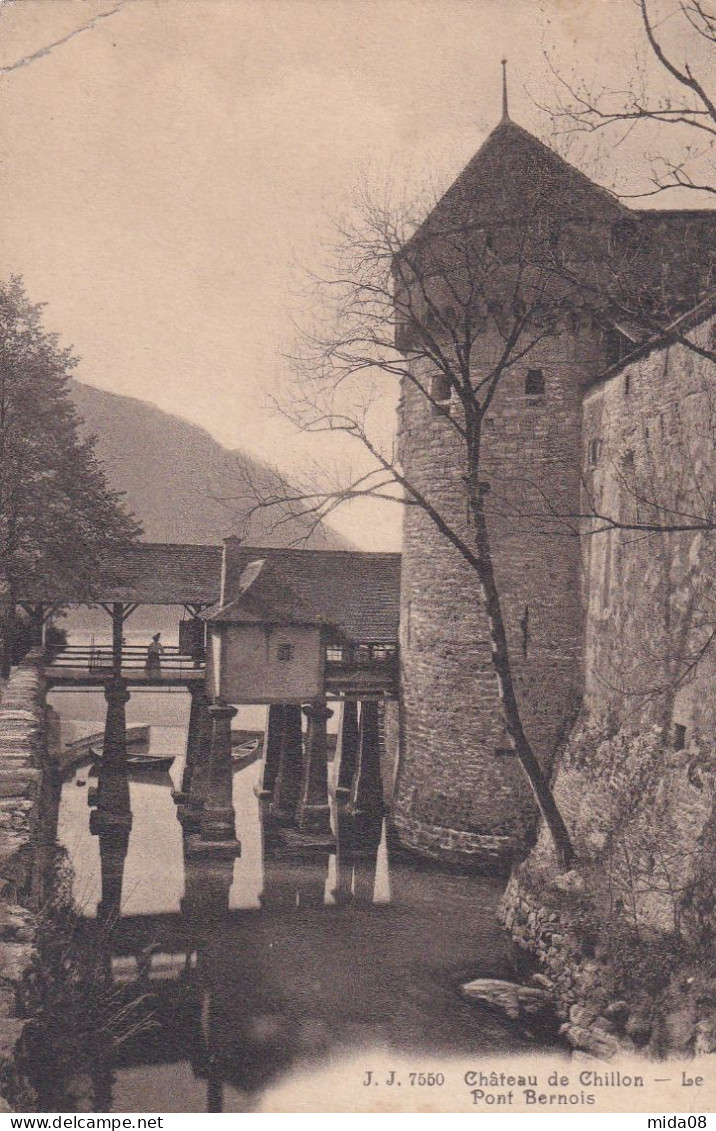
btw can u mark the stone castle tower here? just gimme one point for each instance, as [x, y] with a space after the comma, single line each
[460, 793]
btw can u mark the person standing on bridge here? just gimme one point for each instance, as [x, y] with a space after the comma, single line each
[153, 666]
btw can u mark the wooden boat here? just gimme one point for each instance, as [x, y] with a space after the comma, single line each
[246, 752]
[159, 763]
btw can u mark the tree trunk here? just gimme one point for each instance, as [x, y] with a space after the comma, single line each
[503, 672]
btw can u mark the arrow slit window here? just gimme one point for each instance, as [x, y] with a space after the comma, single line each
[440, 392]
[534, 383]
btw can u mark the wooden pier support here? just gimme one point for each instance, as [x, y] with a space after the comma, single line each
[314, 813]
[217, 833]
[286, 791]
[348, 749]
[367, 791]
[273, 745]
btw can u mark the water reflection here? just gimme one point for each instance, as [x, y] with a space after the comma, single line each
[258, 969]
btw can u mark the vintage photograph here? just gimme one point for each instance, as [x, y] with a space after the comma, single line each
[357, 624]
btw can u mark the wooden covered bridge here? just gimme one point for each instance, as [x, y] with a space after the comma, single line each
[293, 629]
[146, 573]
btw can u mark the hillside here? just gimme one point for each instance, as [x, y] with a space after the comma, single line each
[173, 473]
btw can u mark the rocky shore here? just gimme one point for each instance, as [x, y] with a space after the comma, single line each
[623, 945]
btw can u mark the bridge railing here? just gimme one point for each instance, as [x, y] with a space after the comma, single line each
[98, 659]
[362, 667]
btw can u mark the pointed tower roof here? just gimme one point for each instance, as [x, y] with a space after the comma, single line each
[513, 176]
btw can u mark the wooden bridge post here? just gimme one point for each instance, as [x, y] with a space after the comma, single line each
[367, 791]
[314, 812]
[349, 749]
[272, 750]
[287, 786]
[217, 832]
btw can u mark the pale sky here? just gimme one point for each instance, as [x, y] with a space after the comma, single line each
[163, 171]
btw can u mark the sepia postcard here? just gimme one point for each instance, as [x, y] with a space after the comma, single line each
[357, 638]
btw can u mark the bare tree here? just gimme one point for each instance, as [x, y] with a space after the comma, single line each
[442, 315]
[664, 104]
[679, 37]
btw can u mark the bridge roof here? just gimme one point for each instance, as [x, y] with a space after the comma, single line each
[356, 593]
[164, 573]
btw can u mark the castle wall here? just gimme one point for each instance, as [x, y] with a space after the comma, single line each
[648, 458]
[636, 783]
[460, 793]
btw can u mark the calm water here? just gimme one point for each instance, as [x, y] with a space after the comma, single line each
[266, 970]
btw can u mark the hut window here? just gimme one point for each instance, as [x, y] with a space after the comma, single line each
[679, 736]
[285, 652]
[627, 385]
[534, 383]
[334, 654]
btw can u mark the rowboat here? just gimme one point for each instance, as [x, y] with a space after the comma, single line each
[246, 752]
[159, 763]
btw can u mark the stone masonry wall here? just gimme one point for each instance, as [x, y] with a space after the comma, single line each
[27, 826]
[623, 941]
[460, 793]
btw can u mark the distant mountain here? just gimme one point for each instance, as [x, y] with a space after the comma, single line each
[173, 474]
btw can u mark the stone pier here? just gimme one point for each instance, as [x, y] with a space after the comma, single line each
[199, 763]
[367, 789]
[348, 749]
[287, 785]
[314, 813]
[114, 748]
[273, 745]
[217, 832]
[197, 726]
